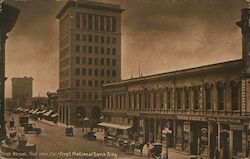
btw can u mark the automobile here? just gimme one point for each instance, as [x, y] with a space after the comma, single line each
[31, 128]
[23, 120]
[69, 131]
[90, 136]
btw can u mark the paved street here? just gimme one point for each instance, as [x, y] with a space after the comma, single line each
[53, 144]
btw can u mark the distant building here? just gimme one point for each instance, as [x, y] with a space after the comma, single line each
[90, 55]
[22, 87]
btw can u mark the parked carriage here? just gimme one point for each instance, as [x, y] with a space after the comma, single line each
[31, 128]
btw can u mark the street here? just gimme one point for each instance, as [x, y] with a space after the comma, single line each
[53, 144]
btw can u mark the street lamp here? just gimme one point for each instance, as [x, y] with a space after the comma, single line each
[8, 17]
[165, 133]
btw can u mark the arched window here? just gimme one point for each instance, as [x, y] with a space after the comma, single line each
[178, 98]
[196, 91]
[234, 95]
[161, 99]
[187, 98]
[208, 95]
[154, 99]
[80, 112]
[168, 98]
[220, 95]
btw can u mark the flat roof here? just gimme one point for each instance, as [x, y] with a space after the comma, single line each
[90, 5]
[177, 72]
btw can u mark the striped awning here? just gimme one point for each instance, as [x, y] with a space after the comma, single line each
[116, 126]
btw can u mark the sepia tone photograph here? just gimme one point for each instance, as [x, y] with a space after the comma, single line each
[124, 79]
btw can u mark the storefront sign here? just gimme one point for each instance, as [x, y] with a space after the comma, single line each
[198, 118]
[183, 117]
[237, 127]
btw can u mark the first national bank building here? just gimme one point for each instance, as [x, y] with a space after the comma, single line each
[206, 108]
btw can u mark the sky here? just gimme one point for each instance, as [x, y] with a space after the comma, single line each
[158, 35]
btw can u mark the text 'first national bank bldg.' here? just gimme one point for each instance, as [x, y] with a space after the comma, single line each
[90, 55]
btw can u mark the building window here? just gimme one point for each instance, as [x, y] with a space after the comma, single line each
[77, 71]
[96, 96]
[113, 24]
[90, 49]
[113, 62]
[168, 99]
[102, 23]
[108, 51]
[102, 39]
[102, 61]
[84, 84]
[77, 48]
[96, 22]
[77, 60]
[220, 95]
[84, 71]
[178, 98]
[84, 49]
[77, 37]
[96, 50]
[108, 72]
[96, 61]
[90, 72]
[102, 72]
[77, 20]
[84, 60]
[161, 99]
[102, 50]
[96, 83]
[90, 22]
[154, 99]
[84, 38]
[90, 96]
[77, 83]
[208, 97]
[113, 40]
[77, 95]
[114, 73]
[108, 40]
[108, 62]
[96, 39]
[108, 24]
[90, 61]
[114, 51]
[90, 83]
[84, 95]
[90, 38]
[237, 141]
[84, 21]
[196, 97]
[234, 95]
[96, 72]
[187, 98]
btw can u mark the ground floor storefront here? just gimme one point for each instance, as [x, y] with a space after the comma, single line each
[80, 114]
[196, 135]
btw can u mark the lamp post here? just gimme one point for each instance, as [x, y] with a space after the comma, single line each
[165, 133]
[8, 17]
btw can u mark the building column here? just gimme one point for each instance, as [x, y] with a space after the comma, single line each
[230, 143]
[244, 142]
[218, 138]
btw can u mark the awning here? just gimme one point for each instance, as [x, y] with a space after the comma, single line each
[48, 113]
[34, 112]
[26, 110]
[41, 112]
[117, 126]
[54, 115]
[31, 111]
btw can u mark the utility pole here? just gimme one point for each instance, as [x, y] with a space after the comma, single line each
[8, 17]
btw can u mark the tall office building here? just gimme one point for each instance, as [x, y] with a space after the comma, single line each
[22, 87]
[90, 55]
